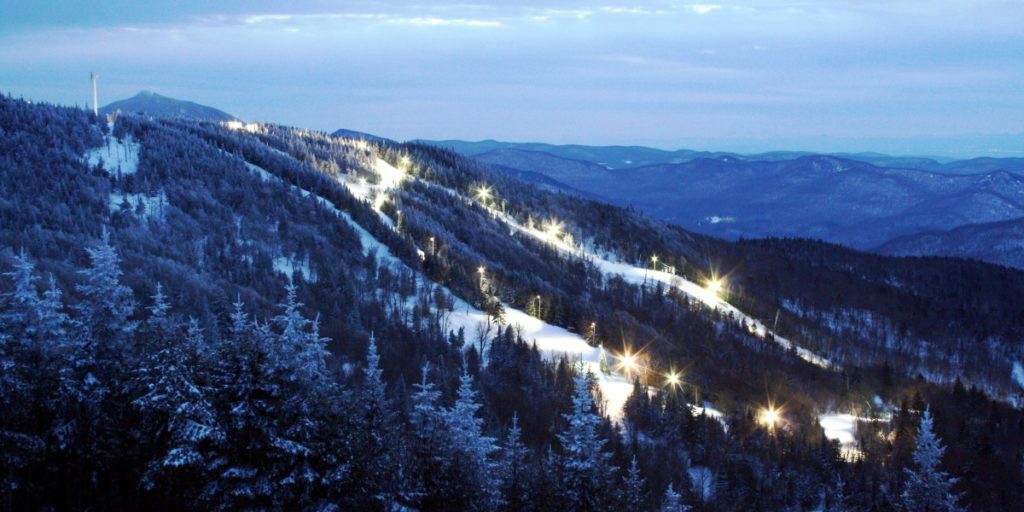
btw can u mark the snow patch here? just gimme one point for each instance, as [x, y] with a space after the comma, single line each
[289, 266]
[715, 219]
[1018, 373]
[839, 427]
[152, 206]
[261, 172]
[119, 156]
[235, 125]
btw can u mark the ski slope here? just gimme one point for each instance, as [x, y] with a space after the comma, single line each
[842, 427]
[643, 276]
[553, 341]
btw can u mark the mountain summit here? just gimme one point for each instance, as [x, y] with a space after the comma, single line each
[153, 104]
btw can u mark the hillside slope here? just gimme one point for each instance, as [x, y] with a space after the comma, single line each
[996, 242]
[274, 318]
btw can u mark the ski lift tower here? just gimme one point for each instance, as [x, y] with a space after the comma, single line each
[95, 96]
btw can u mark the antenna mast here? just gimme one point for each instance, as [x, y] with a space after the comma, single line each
[95, 101]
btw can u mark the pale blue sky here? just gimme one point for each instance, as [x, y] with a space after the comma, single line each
[900, 77]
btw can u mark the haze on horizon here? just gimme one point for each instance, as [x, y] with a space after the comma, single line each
[920, 77]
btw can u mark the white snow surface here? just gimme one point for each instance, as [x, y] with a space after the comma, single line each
[152, 205]
[389, 177]
[261, 172]
[1018, 373]
[118, 156]
[840, 427]
[289, 265]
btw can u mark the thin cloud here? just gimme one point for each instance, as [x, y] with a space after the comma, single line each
[436, 21]
[703, 8]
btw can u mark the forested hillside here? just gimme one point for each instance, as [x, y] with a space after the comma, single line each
[200, 317]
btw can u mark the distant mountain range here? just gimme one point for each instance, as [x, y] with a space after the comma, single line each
[995, 242]
[894, 205]
[622, 157]
[152, 104]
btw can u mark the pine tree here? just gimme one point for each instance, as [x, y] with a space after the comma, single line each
[301, 347]
[107, 304]
[178, 412]
[23, 370]
[472, 447]
[51, 321]
[513, 470]
[429, 448]
[586, 473]
[928, 489]
[634, 496]
[673, 501]
[377, 464]
[21, 305]
[158, 328]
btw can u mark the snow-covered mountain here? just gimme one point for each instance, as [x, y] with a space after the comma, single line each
[209, 315]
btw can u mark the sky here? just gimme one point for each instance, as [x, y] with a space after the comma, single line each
[902, 77]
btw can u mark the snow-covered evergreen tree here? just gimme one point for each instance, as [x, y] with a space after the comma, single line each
[21, 304]
[586, 473]
[158, 327]
[633, 494]
[514, 459]
[473, 449]
[177, 407]
[249, 391]
[428, 449]
[104, 313]
[301, 345]
[51, 321]
[928, 488]
[376, 466]
[22, 373]
[673, 501]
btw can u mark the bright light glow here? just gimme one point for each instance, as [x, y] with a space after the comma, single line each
[405, 162]
[674, 379]
[629, 362]
[770, 417]
[483, 193]
[654, 259]
[714, 286]
[481, 270]
[553, 229]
